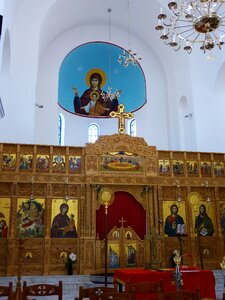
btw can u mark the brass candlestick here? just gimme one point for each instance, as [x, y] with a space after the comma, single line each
[106, 197]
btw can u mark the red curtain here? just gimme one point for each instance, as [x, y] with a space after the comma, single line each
[126, 206]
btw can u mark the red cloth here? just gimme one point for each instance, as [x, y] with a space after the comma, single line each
[204, 279]
[124, 206]
[141, 275]
[192, 278]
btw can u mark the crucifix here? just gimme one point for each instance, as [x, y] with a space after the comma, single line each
[121, 115]
[122, 221]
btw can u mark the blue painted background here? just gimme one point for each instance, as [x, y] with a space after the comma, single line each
[101, 55]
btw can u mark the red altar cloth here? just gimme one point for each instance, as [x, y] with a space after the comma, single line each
[202, 278]
[192, 278]
[124, 276]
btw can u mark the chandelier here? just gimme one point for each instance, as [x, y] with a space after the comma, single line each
[193, 22]
[128, 57]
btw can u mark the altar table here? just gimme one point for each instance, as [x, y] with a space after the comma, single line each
[192, 278]
[123, 276]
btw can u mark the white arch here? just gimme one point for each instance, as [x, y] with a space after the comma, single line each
[93, 132]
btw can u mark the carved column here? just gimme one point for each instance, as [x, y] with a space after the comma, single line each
[47, 240]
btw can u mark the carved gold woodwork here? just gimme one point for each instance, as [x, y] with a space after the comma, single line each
[122, 238]
[48, 185]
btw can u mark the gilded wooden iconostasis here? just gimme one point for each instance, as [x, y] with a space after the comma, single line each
[39, 184]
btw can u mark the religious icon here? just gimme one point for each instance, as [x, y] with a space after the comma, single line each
[58, 163]
[116, 235]
[42, 163]
[121, 161]
[26, 162]
[203, 222]
[63, 256]
[4, 216]
[178, 167]
[174, 222]
[218, 168]
[30, 218]
[113, 256]
[8, 161]
[192, 167]
[64, 219]
[131, 254]
[91, 81]
[94, 101]
[222, 217]
[205, 168]
[164, 167]
[28, 255]
[74, 164]
[129, 235]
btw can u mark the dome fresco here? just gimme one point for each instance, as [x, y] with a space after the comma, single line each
[99, 58]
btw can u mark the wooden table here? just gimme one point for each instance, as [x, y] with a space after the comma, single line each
[192, 278]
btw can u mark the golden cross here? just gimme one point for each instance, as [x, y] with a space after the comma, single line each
[121, 115]
[122, 221]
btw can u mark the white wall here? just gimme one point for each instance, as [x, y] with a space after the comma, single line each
[36, 38]
[76, 127]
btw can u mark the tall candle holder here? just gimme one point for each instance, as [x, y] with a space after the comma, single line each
[178, 275]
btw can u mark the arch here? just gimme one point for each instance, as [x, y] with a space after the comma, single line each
[77, 66]
[93, 133]
[132, 127]
[135, 216]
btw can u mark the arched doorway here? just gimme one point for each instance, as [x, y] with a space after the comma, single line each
[126, 230]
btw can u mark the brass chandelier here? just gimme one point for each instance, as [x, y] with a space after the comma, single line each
[193, 22]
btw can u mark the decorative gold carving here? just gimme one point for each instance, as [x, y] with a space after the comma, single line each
[63, 256]
[43, 150]
[106, 196]
[91, 164]
[77, 151]
[194, 199]
[151, 168]
[5, 188]
[118, 142]
[28, 256]
[16, 184]
[89, 261]
[59, 150]
[121, 115]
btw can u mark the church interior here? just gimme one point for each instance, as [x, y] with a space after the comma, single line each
[111, 139]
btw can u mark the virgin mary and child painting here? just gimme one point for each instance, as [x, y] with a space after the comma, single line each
[63, 226]
[94, 101]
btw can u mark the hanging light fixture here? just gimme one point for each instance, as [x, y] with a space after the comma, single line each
[67, 198]
[128, 57]
[193, 22]
[207, 192]
[178, 191]
[32, 189]
[110, 94]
